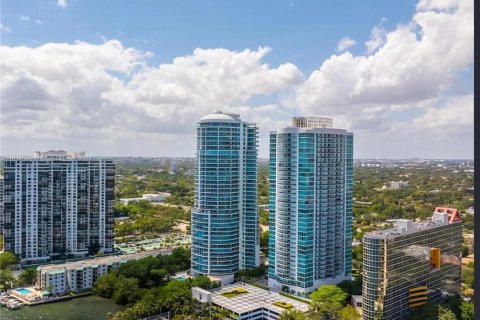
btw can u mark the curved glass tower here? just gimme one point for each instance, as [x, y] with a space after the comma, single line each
[310, 222]
[225, 213]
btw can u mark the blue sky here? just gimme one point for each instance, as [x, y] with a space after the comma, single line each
[303, 36]
[301, 32]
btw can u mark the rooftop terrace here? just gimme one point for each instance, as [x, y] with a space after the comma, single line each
[252, 300]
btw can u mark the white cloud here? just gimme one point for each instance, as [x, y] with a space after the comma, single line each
[345, 43]
[377, 39]
[108, 91]
[4, 28]
[108, 97]
[454, 117]
[24, 18]
[37, 21]
[417, 62]
[62, 3]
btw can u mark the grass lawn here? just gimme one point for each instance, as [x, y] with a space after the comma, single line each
[234, 292]
[283, 305]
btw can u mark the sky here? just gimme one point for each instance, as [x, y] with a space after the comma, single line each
[132, 78]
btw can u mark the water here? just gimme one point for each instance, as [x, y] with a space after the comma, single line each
[23, 291]
[85, 308]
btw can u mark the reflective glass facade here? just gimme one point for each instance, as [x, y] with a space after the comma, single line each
[310, 222]
[399, 273]
[225, 214]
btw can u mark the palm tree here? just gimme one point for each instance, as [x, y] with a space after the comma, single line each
[292, 314]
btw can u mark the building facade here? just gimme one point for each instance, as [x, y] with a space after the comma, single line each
[57, 205]
[1, 204]
[411, 264]
[60, 279]
[310, 208]
[225, 213]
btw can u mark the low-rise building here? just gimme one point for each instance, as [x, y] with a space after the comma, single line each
[80, 275]
[395, 185]
[249, 302]
[150, 197]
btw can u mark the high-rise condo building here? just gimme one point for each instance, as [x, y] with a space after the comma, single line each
[57, 204]
[411, 264]
[310, 219]
[1, 204]
[225, 214]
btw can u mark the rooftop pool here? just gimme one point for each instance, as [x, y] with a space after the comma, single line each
[23, 291]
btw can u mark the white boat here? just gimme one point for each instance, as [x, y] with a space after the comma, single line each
[14, 304]
[4, 300]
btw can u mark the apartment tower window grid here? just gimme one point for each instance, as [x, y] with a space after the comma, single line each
[225, 236]
[310, 209]
[57, 206]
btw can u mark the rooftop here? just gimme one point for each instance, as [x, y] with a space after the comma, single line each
[255, 299]
[220, 116]
[101, 260]
[311, 122]
[441, 217]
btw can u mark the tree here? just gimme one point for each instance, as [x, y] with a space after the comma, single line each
[468, 277]
[264, 242]
[292, 314]
[7, 259]
[6, 279]
[105, 285]
[159, 275]
[465, 251]
[348, 313]
[352, 287]
[263, 214]
[126, 291]
[27, 277]
[94, 248]
[467, 309]
[327, 301]
[445, 314]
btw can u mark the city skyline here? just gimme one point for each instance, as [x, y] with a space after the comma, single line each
[122, 84]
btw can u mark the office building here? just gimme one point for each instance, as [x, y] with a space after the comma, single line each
[57, 205]
[411, 264]
[310, 209]
[225, 214]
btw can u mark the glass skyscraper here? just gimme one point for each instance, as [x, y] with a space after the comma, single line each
[310, 221]
[411, 264]
[225, 214]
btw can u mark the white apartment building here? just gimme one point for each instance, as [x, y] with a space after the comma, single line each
[81, 275]
[56, 205]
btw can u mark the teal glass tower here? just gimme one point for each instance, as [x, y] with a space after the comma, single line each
[310, 219]
[225, 213]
